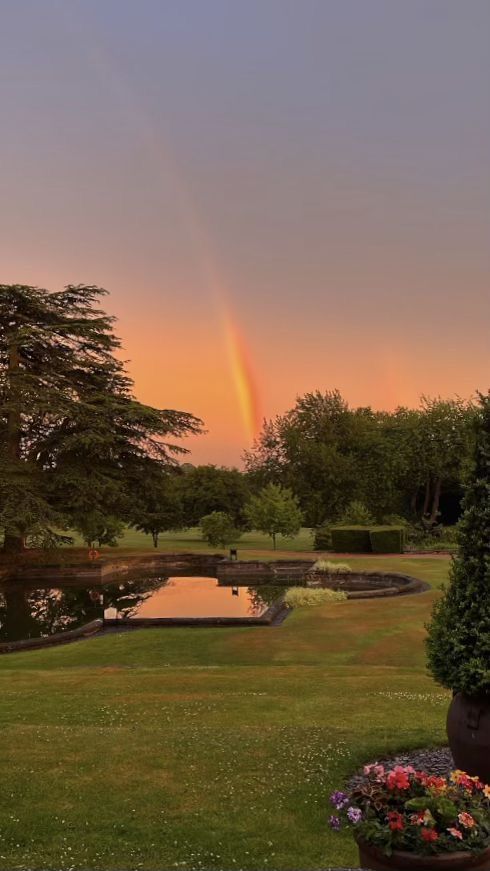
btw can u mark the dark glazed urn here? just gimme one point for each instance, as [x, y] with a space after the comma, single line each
[371, 857]
[468, 731]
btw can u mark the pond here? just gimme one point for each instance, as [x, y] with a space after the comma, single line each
[28, 611]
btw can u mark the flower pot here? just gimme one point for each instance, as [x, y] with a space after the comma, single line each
[468, 730]
[371, 857]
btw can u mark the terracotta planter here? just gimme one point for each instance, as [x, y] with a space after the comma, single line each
[468, 730]
[371, 857]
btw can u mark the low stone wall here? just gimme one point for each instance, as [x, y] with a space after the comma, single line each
[357, 585]
[58, 638]
[103, 570]
[274, 615]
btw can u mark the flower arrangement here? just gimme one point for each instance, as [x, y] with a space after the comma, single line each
[415, 812]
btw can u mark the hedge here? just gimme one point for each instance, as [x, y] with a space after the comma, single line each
[323, 538]
[351, 539]
[387, 539]
[367, 539]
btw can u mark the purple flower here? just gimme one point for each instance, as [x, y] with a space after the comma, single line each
[339, 800]
[334, 823]
[354, 814]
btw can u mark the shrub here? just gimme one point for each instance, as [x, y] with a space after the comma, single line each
[218, 529]
[459, 634]
[324, 565]
[351, 539]
[387, 539]
[323, 538]
[301, 597]
[356, 514]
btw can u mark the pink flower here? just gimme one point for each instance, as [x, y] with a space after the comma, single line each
[377, 770]
[456, 833]
[466, 820]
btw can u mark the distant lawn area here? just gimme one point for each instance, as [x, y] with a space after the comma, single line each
[249, 546]
[191, 540]
[211, 748]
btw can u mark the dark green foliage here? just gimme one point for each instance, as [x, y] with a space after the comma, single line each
[156, 502]
[351, 539]
[332, 456]
[323, 538]
[387, 539]
[218, 529]
[459, 633]
[98, 528]
[204, 489]
[72, 436]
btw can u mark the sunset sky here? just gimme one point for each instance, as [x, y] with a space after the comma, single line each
[280, 196]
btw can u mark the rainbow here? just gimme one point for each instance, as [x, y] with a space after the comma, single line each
[243, 377]
[237, 349]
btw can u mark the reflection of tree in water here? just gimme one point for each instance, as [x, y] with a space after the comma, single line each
[262, 597]
[34, 613]
[127, 596]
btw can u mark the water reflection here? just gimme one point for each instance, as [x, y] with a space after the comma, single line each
[35, 612]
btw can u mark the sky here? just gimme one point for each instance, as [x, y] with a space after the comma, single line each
[280, 196]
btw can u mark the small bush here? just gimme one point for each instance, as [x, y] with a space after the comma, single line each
[323, 538]
[325, 565]
[387, 539]
[351, 539]
[306, 597]
[218, 529]
[356, 514]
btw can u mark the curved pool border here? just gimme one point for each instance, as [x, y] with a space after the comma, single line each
[228, 572]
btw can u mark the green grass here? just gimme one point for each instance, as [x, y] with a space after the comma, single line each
[211, 748]
[191, 540]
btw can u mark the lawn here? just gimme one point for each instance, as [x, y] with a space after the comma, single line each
[211, 748]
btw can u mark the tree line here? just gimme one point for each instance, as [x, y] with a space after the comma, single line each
[79, 452]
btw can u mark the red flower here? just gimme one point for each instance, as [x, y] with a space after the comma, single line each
[429, 835]
[398, 778]
[436, 782]
[395, 821]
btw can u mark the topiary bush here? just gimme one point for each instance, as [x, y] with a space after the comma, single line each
[387, 539]
[323, 538]
[458, 642]
[351, 539]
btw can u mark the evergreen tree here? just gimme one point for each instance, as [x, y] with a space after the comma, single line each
[459, 633]
[72, 436]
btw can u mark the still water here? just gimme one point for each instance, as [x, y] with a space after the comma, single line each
[34, 612]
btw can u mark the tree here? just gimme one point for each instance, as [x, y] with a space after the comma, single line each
[218, 529]
[209, 488]
[71, 432]
[156, 503]
[330, 455]
[275, 511]
[459, 633]
[97, 528]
